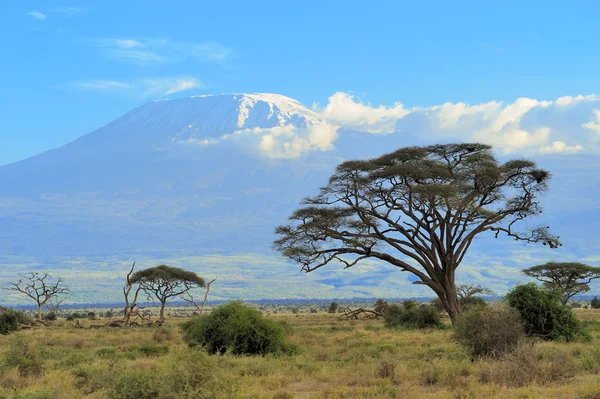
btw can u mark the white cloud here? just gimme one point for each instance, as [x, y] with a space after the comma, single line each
[146, 52]
[103, 85]
[594, 125]
[167, 86]
[523, 125]
[37, 15]
[283, 142]
[144, 87]
[559, 147]
[344, 109]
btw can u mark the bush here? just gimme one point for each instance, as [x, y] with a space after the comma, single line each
[50, 316]
[10, 320]
[471, 302]
[418, 316]
[595, 304]
[489, 330]
[543, 314]
[237, 329]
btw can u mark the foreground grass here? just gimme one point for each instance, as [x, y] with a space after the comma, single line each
[338, 359]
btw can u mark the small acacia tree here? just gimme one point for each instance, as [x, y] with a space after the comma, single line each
[40, 287]
[164, 282]
[571, 278]
[333, 307]
[419, 209]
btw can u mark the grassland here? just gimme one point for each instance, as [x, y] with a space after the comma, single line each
[336, 359]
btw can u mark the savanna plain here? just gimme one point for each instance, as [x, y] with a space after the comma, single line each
[333, 358]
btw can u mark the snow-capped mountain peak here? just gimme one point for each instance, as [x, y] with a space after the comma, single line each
[208, 116]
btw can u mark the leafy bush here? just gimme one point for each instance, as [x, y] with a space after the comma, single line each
[595, 304]
[543, 314]
[237, 329]
[489, 330]
[410, 303]
[50, 316]
[417, 316]
[10, 320]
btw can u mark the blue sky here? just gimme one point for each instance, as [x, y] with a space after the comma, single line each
[69, 68]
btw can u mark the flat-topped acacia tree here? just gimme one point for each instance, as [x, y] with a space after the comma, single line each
[419, 209]
[572, 278]
[164, 282]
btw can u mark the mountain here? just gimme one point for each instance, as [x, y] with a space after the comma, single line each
[190, 182]
[146, 181]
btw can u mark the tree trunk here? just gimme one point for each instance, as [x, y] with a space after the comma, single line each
[39, 312]
[162, 311]
[448, 296]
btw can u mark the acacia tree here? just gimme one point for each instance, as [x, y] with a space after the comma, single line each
[40, 287]
[164, 282]
[572, 278]
[419, 209]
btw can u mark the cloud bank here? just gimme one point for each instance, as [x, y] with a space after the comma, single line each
[567, 125]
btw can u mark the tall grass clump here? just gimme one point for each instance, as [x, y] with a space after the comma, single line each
[543, 314]
[236, 329]
[489, 331]
[413, 316]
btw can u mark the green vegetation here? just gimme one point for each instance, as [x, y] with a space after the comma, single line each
[352, 359]
[412, 315]
[571, 278]
[236, 329]
[11, 319]
[490, 331]
[543, 314]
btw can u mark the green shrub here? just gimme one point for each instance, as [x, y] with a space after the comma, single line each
[237, 329]
[543, 314]
[415, 316]
[10, 320]
[595, 304]
[50, 316]
[489, 330]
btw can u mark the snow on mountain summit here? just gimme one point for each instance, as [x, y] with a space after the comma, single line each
[208, 116]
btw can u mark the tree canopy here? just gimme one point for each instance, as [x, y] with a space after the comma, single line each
[163, 282]
[419, 209]
[571, 278]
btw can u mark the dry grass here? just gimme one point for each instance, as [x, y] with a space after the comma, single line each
[338, 359]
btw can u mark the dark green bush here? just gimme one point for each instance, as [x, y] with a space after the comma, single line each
[50, 316]
[236, 329]
[489, 330]
[417, 316]
[543, 314]
[10, 320]
[595, 304]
